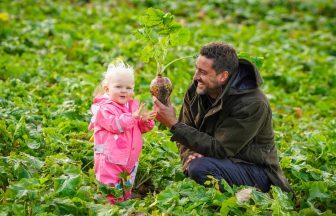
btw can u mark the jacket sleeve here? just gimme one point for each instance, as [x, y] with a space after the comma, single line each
[186, 118]
[91, 126]
[114, 123]
[146, 126]
[232, 133]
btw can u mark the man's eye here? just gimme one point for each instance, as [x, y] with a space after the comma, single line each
[202, 72]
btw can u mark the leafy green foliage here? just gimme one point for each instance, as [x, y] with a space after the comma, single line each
[159, 31]
[53, 55]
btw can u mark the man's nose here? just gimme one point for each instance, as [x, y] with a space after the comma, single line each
[196, 76]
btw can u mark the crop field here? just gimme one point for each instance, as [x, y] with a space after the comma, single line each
[53, 55]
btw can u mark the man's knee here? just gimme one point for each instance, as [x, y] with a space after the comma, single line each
[232, 173]
[199, 169]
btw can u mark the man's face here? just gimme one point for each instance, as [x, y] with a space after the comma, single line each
[208, 81]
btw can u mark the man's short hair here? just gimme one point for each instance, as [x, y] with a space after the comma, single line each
[223, 55]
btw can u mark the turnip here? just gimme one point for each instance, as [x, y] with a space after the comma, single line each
[159, 31]
[161, 87]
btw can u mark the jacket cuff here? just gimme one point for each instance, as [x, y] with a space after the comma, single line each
[173, 128]
[178, 132]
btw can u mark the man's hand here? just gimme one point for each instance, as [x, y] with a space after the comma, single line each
[192, 157]
[165, 114]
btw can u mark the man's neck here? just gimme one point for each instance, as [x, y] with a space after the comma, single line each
[216, 94]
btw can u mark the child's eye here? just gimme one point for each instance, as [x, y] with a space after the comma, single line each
[129, 88]
[118, 86]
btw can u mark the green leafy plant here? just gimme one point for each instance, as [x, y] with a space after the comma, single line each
[160, 31]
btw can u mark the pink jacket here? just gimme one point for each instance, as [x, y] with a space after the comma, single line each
[117, 134]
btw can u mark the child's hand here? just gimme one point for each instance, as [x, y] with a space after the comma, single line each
[137, 113]
[146, 116]
[143, 113]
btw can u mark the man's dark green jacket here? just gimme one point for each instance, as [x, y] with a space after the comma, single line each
[237, 126]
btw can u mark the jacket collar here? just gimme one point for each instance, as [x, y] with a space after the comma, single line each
[105, 99]
[247, 78]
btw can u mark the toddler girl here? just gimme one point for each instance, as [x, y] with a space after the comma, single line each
[118, 122]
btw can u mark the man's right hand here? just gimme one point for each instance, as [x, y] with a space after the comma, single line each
[164, 114]
[192, 157]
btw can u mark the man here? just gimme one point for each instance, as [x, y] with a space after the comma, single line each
[225, 124]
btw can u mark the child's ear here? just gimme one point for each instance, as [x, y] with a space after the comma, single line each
[105, 89]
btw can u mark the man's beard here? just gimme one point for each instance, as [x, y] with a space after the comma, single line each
[202, 91]
[212, 92]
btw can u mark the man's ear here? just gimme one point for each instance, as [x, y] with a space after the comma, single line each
[224, 76]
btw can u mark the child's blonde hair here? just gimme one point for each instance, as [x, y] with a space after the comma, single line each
[114, 70]
[118, 69]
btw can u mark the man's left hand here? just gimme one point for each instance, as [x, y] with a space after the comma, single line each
[165, 114]
[192, 157]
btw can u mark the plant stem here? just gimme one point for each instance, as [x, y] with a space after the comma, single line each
[164, 67]
[143, 180]
[87, 165]
[158, 66]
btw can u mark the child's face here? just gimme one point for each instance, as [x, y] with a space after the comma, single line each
[120, 88]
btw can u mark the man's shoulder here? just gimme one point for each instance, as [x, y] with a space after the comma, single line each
[255, 98]
[255, 95]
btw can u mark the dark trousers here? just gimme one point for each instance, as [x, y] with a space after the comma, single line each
[233, 173]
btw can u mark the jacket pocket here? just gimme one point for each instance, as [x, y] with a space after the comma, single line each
[118, 153]
[117, 159]
[121, 142]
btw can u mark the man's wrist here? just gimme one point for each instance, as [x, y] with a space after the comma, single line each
[173, 127]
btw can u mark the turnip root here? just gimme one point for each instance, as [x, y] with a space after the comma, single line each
[161, 88]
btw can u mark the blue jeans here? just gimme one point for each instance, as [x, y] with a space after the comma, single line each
[233, 173]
